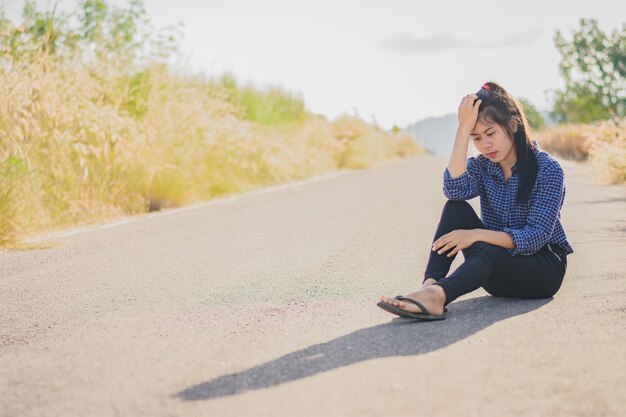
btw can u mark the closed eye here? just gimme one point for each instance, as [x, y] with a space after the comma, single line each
[478, 137]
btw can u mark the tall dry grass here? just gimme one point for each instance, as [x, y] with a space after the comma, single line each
[602, 144]
[81, 144]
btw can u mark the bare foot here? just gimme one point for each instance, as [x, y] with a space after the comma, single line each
[432, 297]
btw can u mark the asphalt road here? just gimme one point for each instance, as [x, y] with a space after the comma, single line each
[264, 305]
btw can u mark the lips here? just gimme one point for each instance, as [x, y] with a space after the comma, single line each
[491, 155]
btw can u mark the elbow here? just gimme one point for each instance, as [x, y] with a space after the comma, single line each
[452, 195]
[529, 244]
[541, 237]
[544, 238]
[459, 196]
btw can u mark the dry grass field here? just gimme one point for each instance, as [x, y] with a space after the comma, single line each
[601, 144]
[88, 143]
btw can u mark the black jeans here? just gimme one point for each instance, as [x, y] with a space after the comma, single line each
[492, 267]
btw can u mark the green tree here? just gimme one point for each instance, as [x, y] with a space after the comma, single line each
[593, 66]
[40, 33]
[96, 32]
[114, 33]
[534, 117]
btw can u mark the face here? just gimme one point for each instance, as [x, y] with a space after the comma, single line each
[494, 142]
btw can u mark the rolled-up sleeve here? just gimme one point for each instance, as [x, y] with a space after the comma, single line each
[543, 215]
[464, 187]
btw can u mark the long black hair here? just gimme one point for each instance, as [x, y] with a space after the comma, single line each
[498, 106]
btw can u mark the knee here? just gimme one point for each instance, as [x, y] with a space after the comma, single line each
[457, 207]
[456, 204]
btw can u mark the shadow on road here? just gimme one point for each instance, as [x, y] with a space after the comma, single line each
[399, 337]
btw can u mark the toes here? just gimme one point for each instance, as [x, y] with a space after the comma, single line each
[408, 307]
[400, 304]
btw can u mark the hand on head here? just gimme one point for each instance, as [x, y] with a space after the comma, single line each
[468, 112]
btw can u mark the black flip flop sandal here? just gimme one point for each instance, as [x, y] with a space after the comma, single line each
[423, 316]
[400, 297]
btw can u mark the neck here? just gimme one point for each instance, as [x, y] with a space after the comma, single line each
[507, 163]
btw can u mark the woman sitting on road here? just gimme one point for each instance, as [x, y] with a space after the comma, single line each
[519, 249]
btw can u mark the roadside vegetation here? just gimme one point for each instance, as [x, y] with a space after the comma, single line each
[590, 111]
[97, 123]
[602, 144]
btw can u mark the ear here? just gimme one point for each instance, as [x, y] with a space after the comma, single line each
[513, 124]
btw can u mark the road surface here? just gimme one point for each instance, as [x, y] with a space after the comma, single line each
[264, 305]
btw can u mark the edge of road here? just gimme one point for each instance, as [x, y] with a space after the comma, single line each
[72, 231]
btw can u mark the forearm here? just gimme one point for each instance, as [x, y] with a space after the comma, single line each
[495, 238]
[458, 158]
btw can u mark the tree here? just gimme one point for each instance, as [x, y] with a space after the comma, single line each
[593, 66]
[96, 32]
[534, 117]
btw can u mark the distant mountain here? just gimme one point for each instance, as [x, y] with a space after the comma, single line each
[435, 134]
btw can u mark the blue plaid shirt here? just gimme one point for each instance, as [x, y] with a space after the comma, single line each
[531, 224]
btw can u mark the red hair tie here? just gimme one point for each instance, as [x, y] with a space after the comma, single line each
[486, 87]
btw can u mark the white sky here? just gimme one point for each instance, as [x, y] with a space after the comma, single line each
[393, 61]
